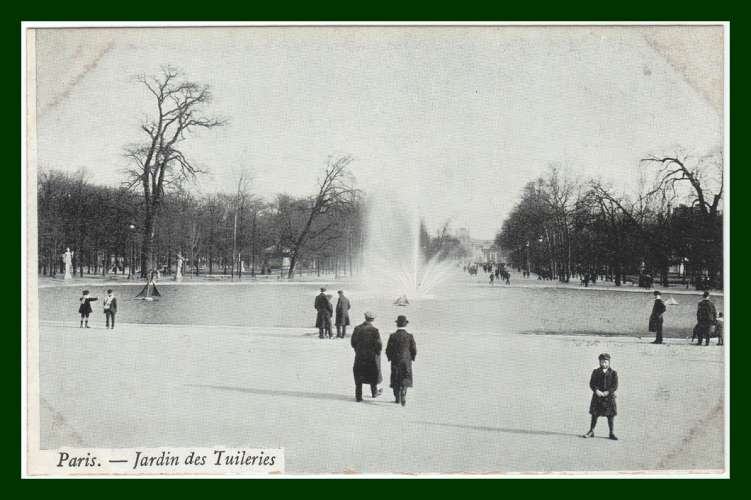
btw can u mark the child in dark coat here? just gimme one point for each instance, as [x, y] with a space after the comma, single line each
[85, 308]
[604, 383]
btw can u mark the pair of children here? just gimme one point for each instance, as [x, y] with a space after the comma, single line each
[109, 303]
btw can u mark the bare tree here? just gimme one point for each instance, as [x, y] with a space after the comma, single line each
[336, 194]
[159, 160]
[674, 171]
[704, 179]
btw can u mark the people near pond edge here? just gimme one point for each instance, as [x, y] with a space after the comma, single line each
[342, 315]
[330, 309]
[323, 317]
[706, 317]
[401, 351]
[719, 330]
[366, 341]
[85, 308]
[655, 319]
[604, 384]
[110, 308]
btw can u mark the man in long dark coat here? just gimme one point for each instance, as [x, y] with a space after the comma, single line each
[706, 317]
[323, 318]
[401, 351]
[366, 341]
[604, 383]
[342, 315]
[655, 319]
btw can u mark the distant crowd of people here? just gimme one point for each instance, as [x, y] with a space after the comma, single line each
[497, 271]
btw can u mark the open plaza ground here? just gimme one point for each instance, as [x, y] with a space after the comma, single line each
[501, 378]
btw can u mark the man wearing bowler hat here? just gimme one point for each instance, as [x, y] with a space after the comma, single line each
[401, 351]
[324, 309]
[366, 341]
[655, 319]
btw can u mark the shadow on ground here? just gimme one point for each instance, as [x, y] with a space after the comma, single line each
[497, 429]
[270, 392]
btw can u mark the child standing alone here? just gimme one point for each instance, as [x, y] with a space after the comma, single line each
[604, 383]
[85, 308]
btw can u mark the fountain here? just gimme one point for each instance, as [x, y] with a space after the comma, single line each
[394, 263]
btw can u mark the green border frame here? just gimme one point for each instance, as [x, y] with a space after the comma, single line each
[332, 11]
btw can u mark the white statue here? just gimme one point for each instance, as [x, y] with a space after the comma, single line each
[68, 260]
[179, 270]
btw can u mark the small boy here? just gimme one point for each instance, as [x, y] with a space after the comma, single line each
[110, 308]
[718, 329]
[604, 383]
[85, 308]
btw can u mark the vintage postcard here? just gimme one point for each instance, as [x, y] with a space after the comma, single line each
[376, 250]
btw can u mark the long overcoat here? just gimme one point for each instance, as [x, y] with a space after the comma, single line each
[85, 307]
[366, 341]
[603, 406]
[706, 317]
[342, 311]
[401, 351]
[324, 308]
[655, 319]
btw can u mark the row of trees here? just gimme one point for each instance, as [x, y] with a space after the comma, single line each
[213, 233]
[670, 230]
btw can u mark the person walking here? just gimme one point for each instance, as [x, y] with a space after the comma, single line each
[706, 317]
[342, 315]
[110, 308]
[323, 316]
[604, 383]
[366, 341]
[655, 319]
[401, 351]
[85, 308]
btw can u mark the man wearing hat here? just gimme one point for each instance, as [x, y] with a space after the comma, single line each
[366, 341]
[655, 319]
[324, 309]
[342, 315]
[706, 317]
[401, 351]
[110, 308]
[604, 383]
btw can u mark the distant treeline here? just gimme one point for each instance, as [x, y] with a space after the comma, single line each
[103, 226]
[671, 232]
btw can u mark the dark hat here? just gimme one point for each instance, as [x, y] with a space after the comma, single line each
[323, 289]
[657, 292]
[85, 292]
[401, 320]
[340, 291]
[604, 355]
[705, 294]
[109, 290]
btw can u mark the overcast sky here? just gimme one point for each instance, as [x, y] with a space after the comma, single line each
[458, 118]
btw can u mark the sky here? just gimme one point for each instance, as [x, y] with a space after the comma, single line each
[457, 119]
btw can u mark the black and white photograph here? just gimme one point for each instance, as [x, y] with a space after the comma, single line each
[361, 250]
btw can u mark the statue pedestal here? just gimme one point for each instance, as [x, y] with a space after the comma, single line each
[67, 275]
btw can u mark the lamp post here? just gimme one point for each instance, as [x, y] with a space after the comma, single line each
[131, 270]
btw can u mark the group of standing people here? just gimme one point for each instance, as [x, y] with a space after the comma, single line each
[401, 348]
[708, 321]
[109, 305]
[325, 310]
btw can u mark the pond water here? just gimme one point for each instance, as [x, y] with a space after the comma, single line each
[462, 305]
